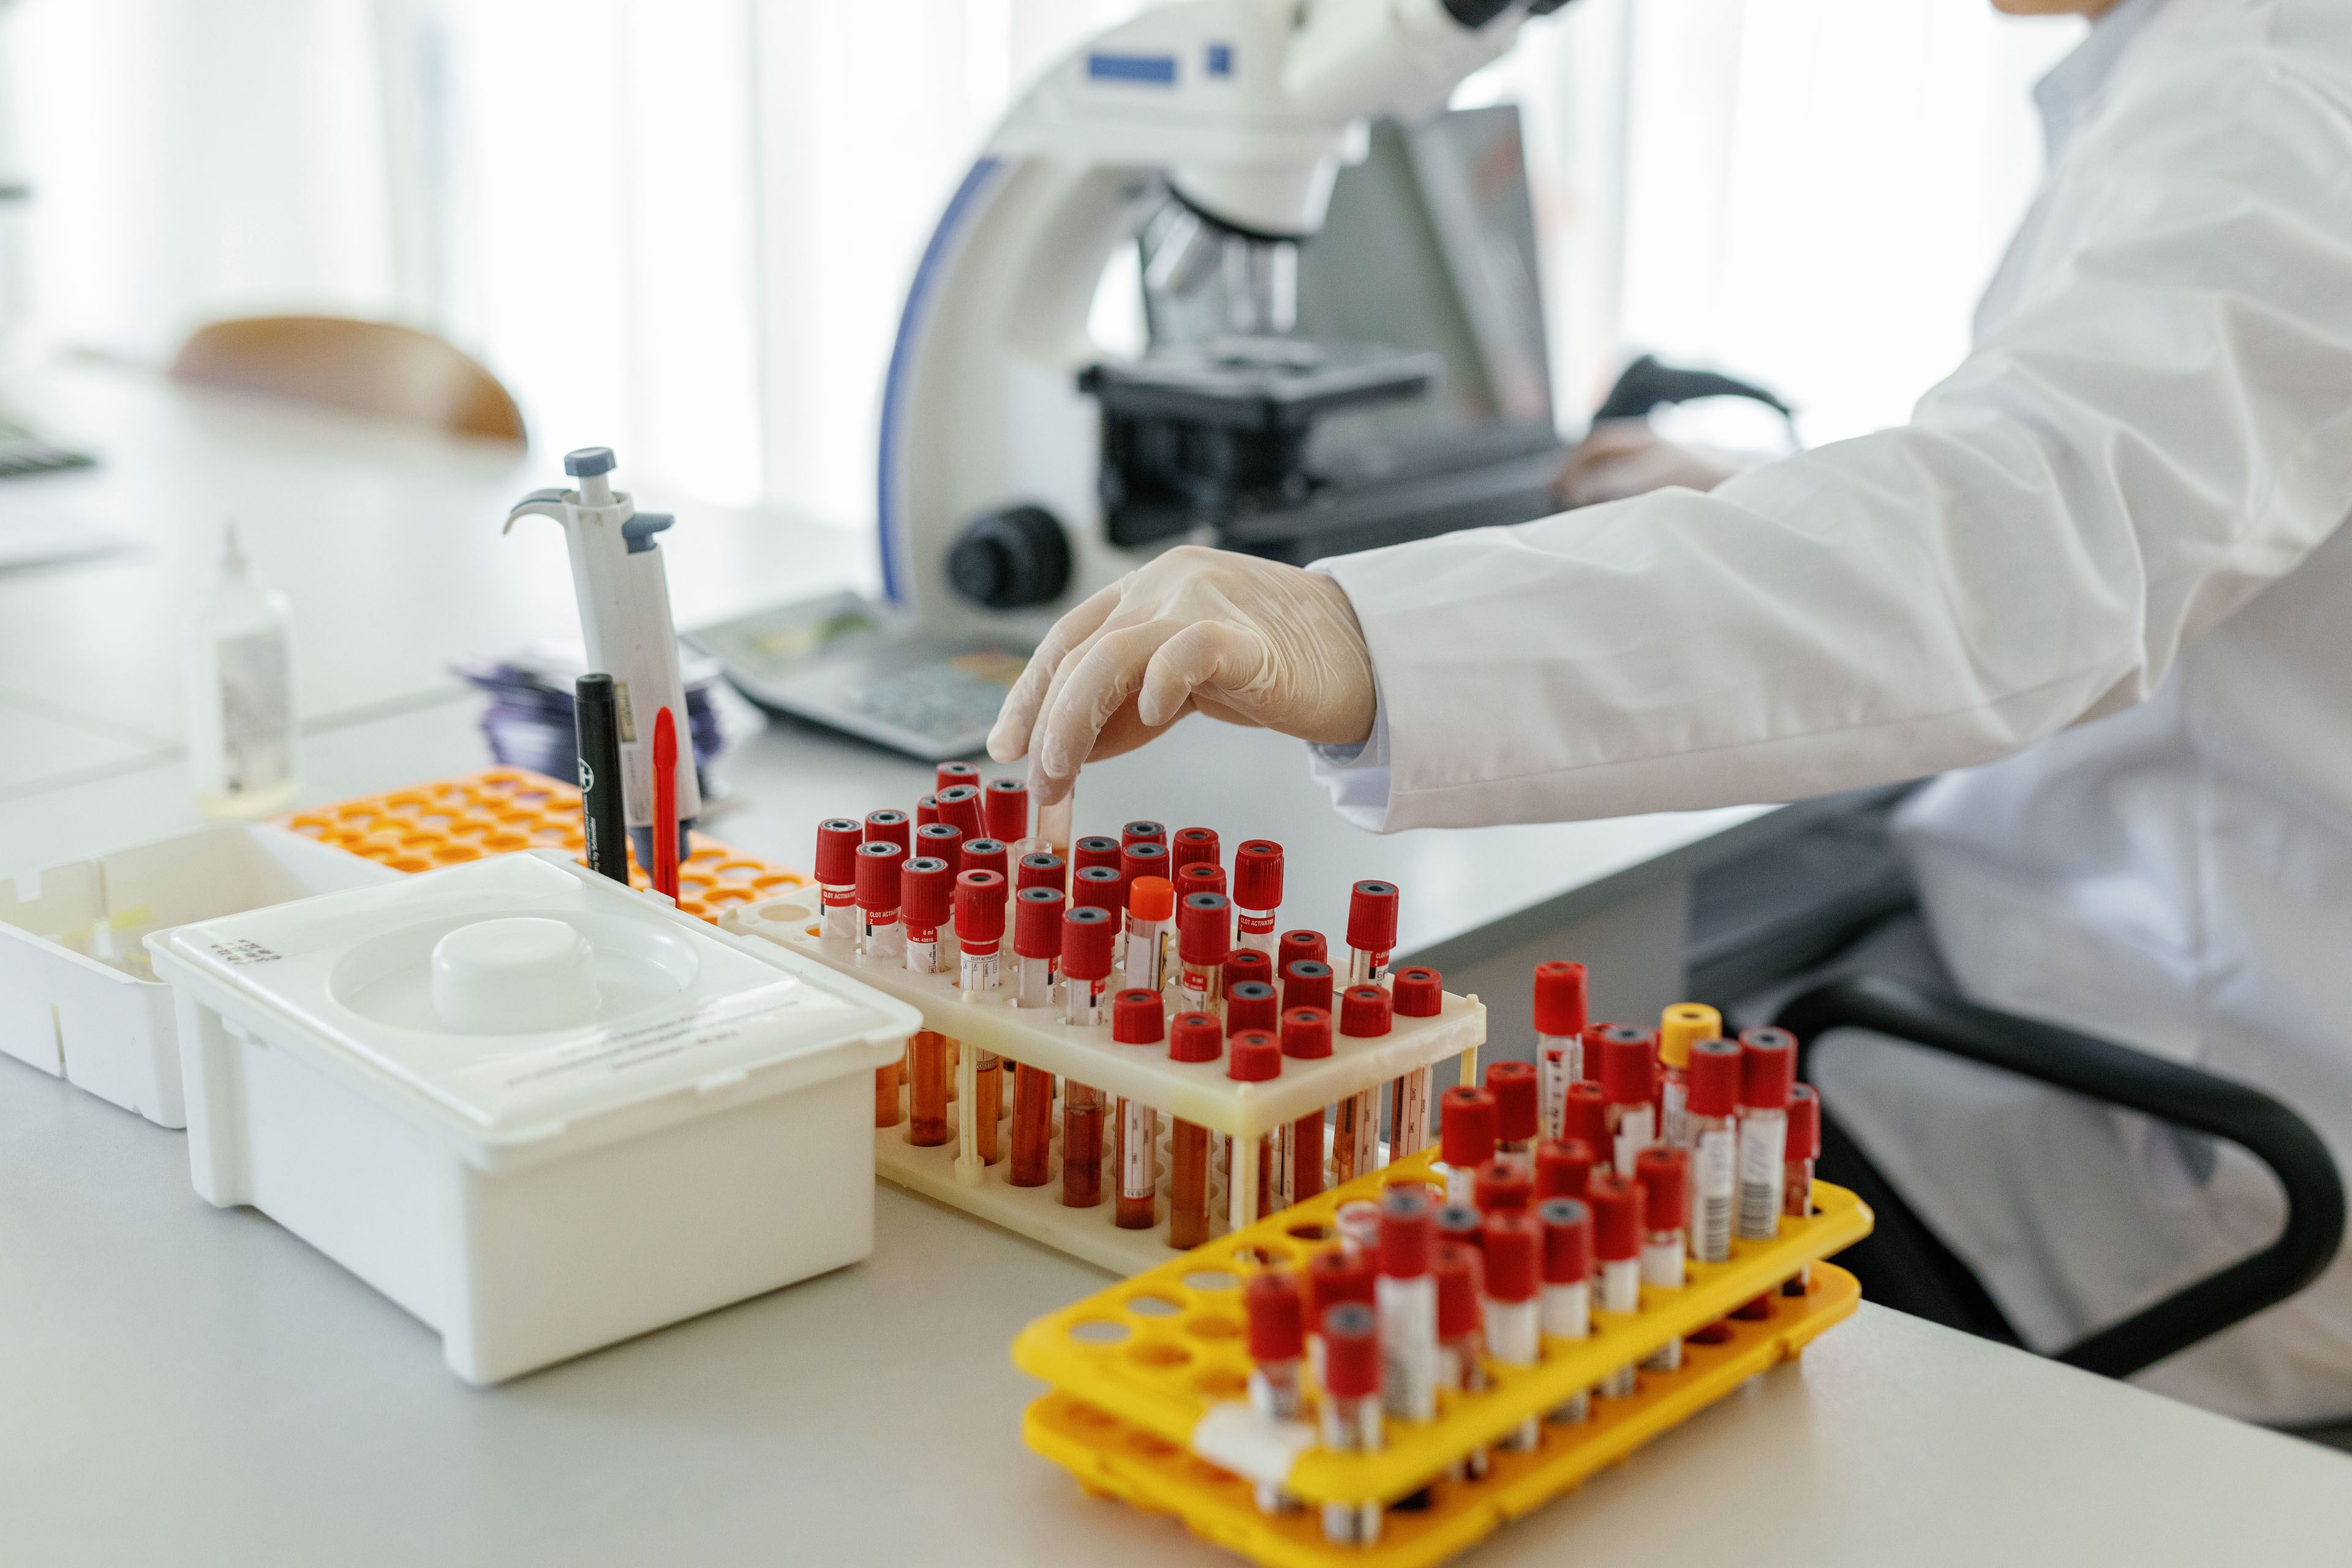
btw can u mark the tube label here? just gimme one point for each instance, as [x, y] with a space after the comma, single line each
[1139, 1132]
[1254, 928]
[1676, 1102]
[1193, 987]
[880, 935]
[1036, 983]
[922, 950]
[1636, 1130]
[980, 970]
[1556, 1068]
[1662, 1260]
[1763, 1144]
[1715, 1173]
[840, 921]
[1082, 1003]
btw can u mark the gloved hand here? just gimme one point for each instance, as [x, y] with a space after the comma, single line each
[1241, 639]
[1622, 457]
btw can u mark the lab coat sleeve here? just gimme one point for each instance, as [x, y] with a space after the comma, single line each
[2159, 424]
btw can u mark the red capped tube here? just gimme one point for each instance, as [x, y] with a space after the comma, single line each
[1251, 1006]
[944, 839]
[1767, 1069]
[1715, 1066]
[1098, 888]
[879, 867]
[1005, 809]
[1203, 930]
[1307, 982]
[1665, 1176]
[1616, 1205]
[926, 810]
[1037, 922]
[1096, 849]
[1371, 930]
[1407, 1233]
[1137, 1018]
[1256, 1057]
[926, 896]
[1144, 857]
[1804, 1123]
[1562, 1165]
[985, 855]
[1043, 868]
[1567, 1241]
[1363, 1012]
[1195, 1038]
[1258, 887]
[1294, 944]
[837, 838]
[1504, 1184]
[1513, 1085]
[1623, 1055]
[1200, 876]
[1465, 1137]
[1192, 845]
[1458, 1222]
[1457, 1270]
[1333, 1275]
[979, 909]
[960, 808]
[1351, 1351]
[950, 774]
[1420, 992]
[1276, 1330]
[1086, 944]
[1561, 999]
[892, 826]
[1245, 963]
[1142, 830]
[1587, 1115]
[1305, 1032]
[1513, 1245]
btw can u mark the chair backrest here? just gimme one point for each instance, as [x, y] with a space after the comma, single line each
[367, 367]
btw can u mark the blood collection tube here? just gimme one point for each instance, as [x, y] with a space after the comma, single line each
[1307, 1036]
[1193, 845]
[1796, 1170]
[1307, 982]
[1504, 1183]
[1248, 963]
[1513, 1085]
[1407, 1297]
[1663, 1174]
[943, 839]
[1082, 1145]
[1041, 869]
[1294, 944]
[1351, 1409]
[1098, 888]
[1192, 1037]
[1465, 1141]
[988, 1106]
[1256, 892]
[1086, 966]
[985, 855]
[1561, 1166]
[887, 1112]
[1253, 1056]
[1559, 1038]
[1142, 871]
[1678, 1026]
[1137, 1018]
[1096, 849]
[1418, 991]
[1461, 1358]
[929, 1097]
[1616, 1205]
[926, 902]
[837, 838]
[1567, 1287]
[1204, 935]
[1200, 876]
[926, 810]
[1459, 1222]
[1278, 1347]
[1356, 1144]
[1587, 1117]
[881, 939]
[1371, 932]
[1036, 946]
[1514, 1314]
[1251, 1006]
[1626, 1072]
[892, 826]
[1360, 1227]
[950, 774]
[1032, 1126]
[1141, 831]
[1333, 1274]
[1767, 1070]
[980, 928]
[960, 808]
[1713, 1108]
[1004, 807]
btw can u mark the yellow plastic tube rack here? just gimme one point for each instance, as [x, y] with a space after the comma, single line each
[1198, 1092]
[1148, 1382]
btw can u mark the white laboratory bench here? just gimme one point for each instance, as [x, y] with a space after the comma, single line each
[196, 1386]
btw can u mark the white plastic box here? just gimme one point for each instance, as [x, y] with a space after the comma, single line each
[76, 997]
[701, 1135]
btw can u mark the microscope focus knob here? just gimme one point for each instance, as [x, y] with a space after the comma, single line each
[1015, 556]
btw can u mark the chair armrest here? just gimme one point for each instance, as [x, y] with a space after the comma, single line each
[2102, 1071]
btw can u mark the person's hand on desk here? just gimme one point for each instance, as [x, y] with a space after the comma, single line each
[1241, 639]
[1621, 458]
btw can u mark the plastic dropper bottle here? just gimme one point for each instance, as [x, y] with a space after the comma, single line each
[240, 690]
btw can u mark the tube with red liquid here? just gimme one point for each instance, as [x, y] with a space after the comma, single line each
[837, 838]
[1137, 1018]
[1253, 1056]
[927, 1099]
[1192, 1037]
[1307, 1036]
[1082, 1145]
[1356, 1141]
[1256, 892]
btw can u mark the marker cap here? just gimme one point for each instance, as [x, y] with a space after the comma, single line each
[1006, 808]
[1204, 928]
[1514, 1086]
[1195, 1038]
[1714, 1077]
[1256, 1056]
[1146, 858]
[1257, 874]
[1586, 1114]
[1037, 922]
[1136, 1016]
[1561, 1166]
[926, 810]
[837, 838]
[1200, 876]
[1043, 869]
[1408, 1229]
[926, 891]
[1275, 1316]
[1251, 1006]
[879, 866]
[1559, 999]
[1193, 845]
[1513, 1245]
[1567, 1241]
[979, 907]
[1804, 1123]
[1769, 1067]
[950, 774]
[1245, 963]
[1150, 898]
[1305, 1032]
[1351, 1351]
[1664, 1175]
[1333, 1275]
[1086, 944]
[1096, 888]
[960, 807]
[1095, 850]
[892, 826]
[1616, 1205]
[1420, 992]
[944, 839]
[1293, 944]
[985, 855]
[1626, 1075]
[1504, 1185]
[1466, 1126]
[1681, 1024]
[1372, 916]
[1363, 1012]
[1140, 830]
[1305, 983]
[1457, 1270]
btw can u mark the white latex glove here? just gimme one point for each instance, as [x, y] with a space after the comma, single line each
[1622, 457]
[1241, 639]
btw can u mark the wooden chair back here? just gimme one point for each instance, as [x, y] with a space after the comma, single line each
[365, 367]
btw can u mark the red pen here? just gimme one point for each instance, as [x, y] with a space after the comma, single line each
[666, 804]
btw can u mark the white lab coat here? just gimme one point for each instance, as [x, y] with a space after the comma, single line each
[2101, 574]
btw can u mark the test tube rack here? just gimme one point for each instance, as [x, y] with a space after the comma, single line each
[500, 810]
[1198, 1092]
[1148, 1379]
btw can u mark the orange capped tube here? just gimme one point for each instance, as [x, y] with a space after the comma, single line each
[1150, 900]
